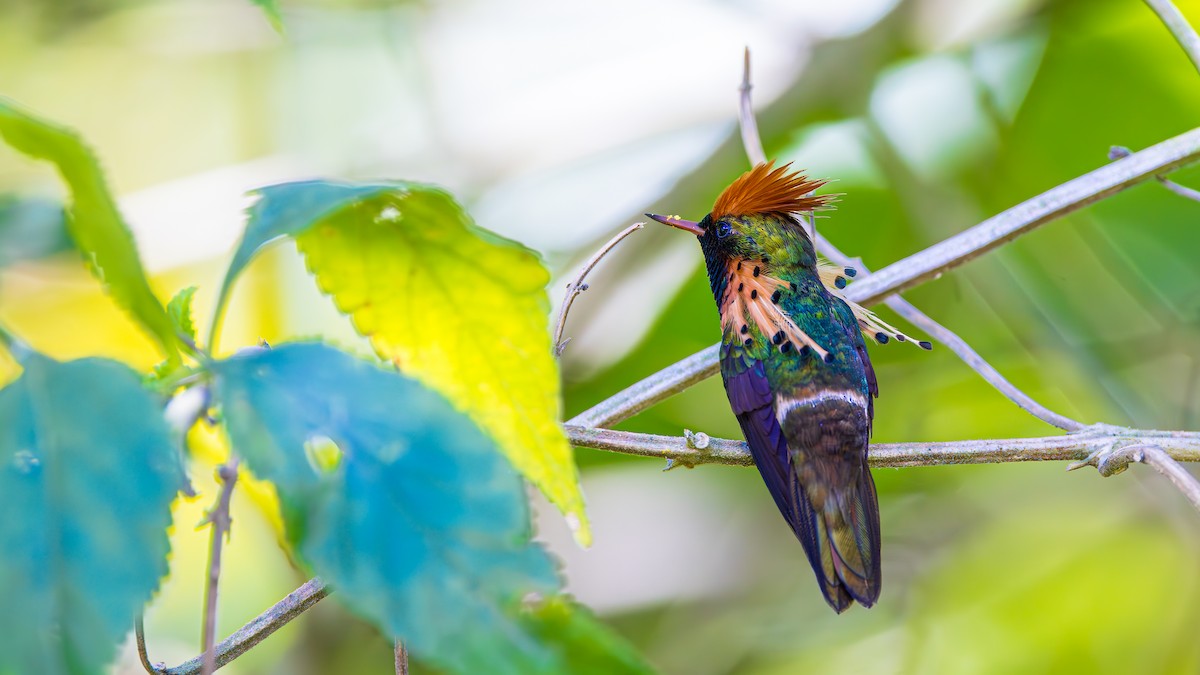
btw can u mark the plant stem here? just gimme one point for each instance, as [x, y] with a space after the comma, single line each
[219, 517]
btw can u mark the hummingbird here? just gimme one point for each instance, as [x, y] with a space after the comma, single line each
[796, 371]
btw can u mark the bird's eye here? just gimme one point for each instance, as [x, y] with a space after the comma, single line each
[724, 230]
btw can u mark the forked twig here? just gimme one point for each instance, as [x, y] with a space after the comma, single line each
[577, 286]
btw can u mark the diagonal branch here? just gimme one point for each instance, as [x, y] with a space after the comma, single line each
[1055, 203]
[278, 616]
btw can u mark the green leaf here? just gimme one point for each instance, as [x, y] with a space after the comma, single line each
[420, 525]
[455, 306]
[92, 218]
[180, 311]
[87, 475]
[586, 645]
[271, 9]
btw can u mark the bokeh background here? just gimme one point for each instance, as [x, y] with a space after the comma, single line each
[559, 123]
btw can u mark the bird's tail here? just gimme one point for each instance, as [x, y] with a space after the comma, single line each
[838, 511]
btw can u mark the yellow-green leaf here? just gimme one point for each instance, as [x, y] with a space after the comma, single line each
[455, 306]
[93, 220]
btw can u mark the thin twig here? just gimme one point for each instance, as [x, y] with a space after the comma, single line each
[1183, 446]
[220, 520]
[747, 121]
[139, 634]
[954, 343]
[401, 659]
[1120, 152]
[577, 286]
[1184, 34]
[919, 267]
[296, 603]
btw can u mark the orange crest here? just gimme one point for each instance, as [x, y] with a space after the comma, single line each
[765, 189]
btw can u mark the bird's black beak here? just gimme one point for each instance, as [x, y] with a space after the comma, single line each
[682, 224]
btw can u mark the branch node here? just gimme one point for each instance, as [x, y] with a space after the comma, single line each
[696, 440]
[1113, 458]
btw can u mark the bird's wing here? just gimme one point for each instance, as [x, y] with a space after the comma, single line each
[754, 405]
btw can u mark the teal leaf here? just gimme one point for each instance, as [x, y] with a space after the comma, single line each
[180, 311]
[87, 475]
[414, 518]
[93, 221]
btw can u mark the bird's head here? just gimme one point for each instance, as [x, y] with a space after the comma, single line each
[752, 219]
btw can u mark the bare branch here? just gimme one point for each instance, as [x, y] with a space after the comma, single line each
[577, 286]
[959, 346]
[219, 517]
[1184, 34]
[1183, 446]
[1119, 151]
[278, 616]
